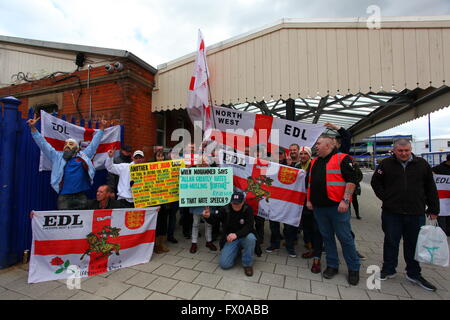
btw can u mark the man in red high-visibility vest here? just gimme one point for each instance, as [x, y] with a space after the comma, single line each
[332, 182]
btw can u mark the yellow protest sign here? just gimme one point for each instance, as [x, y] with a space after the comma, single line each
[155, 183]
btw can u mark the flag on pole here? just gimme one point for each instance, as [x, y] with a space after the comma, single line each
[56, 131]
[443, 189]
[90, 241]
[198, 106]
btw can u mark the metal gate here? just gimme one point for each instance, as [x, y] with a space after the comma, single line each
[22, 187]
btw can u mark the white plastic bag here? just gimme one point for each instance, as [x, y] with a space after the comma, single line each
[432, 246]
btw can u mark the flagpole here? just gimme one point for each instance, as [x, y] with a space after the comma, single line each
[209, 89]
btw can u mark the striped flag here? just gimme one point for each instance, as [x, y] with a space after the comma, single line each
[274, 191]
[198, 106]
[56, 131]
[443, 189]
[93, 241]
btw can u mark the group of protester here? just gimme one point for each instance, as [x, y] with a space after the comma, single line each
[403, 182]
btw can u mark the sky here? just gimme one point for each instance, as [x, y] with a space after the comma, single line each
[159, 31]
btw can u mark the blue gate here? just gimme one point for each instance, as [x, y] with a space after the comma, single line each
[22, 187]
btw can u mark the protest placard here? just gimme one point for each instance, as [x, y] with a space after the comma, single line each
[205, 186]
[155, 183]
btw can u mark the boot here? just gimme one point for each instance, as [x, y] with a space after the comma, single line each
[157, 248]
[163, 244]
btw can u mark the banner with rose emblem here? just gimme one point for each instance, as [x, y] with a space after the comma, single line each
[274, 191]
[89, 241]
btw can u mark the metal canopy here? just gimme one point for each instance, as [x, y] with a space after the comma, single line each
[358, 113]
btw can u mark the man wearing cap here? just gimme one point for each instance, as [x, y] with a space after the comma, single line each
[72, 169]
[124, 157]
[237, 232]
[124, 193]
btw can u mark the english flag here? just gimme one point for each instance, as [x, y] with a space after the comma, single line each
[198, 106]
[89, 241]
[443, 189]
[56, 131]
[237, 129]
[275, 192]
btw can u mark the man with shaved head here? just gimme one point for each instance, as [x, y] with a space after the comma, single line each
[332, 182]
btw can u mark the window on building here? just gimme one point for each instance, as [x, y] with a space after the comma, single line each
[160, 129]
[47, 107]
[448, 144]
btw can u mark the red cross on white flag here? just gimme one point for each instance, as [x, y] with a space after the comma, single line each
[198, 107]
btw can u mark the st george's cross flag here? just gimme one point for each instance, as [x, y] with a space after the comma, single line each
[443, 189]
[91, 241]
[274, 191]
[237, 129]
[198, 106]
[56, 131]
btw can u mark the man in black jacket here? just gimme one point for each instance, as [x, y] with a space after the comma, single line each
[237, 232]
[405, 185]
[444, 169]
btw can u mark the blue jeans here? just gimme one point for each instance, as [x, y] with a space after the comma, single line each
[230, 251]
[395, 226]
[331, 223]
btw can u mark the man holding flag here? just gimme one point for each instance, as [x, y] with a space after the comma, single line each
[442, 178]
[72, 170]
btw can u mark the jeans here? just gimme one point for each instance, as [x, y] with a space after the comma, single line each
[275, 234]
[75, 201]
[195, 227]
[230, 251]
[331, 223]
[308, 225]
[172, 221]
[290, 235]
[395, 226]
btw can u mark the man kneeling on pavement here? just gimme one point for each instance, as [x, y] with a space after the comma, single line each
[237, 232]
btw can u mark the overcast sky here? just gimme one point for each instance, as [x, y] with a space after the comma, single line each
[159, 31]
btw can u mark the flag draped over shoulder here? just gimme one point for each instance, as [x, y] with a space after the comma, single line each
[198, 106]
[92, 241]
[275, 192]
[443, 189]
[56, 131]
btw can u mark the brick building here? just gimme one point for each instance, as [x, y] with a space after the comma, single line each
[89, 83]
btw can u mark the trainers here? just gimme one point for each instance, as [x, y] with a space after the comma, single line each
[361, 257]
[172, 239]
[271, 249]
[316, 267]
[353, 277]
[193, 248]
[211, 246]
[329, 272]
[384, 275]
[292, 253]
[422, 283]
[308, 255]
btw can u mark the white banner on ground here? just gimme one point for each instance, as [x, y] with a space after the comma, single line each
[91, 241]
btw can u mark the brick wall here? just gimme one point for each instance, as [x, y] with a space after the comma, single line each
[122, 97]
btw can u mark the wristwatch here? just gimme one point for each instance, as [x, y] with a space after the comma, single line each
[346, 201]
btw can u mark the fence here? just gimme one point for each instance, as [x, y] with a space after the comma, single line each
[22, 187]
[435, 158]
